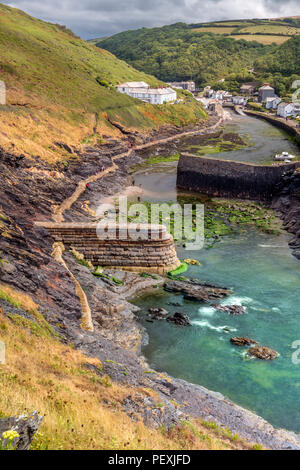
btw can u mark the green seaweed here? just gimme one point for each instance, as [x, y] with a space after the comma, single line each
[180, 270]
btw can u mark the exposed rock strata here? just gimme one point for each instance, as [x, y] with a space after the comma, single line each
[179, 319]
[27, 193]
[242, 341]
[287, 204]
[231, 309]
[262, 352]
[25, 426]
[197, 292]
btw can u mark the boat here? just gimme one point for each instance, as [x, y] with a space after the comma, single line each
[284, 156]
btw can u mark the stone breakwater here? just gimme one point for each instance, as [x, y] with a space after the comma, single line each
[152, 250]
[225, 178]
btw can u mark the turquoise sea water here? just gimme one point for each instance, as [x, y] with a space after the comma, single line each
[265, 278]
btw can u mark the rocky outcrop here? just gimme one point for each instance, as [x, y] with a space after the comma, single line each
[25, 427]
[158, 313]
[27, 193]
[179, 319]
[193, 290]
[242, 341]
[287, 205]
[231, 309]
[262, 352]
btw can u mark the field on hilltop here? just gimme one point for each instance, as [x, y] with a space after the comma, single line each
[60, 88]
[265, 31]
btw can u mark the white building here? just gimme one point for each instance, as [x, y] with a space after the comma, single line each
[218, 95]
[189, 86]
[272, 103]
[296, 108]
[142, 91]
[239, 100]
[127, 86]
[285, 110]
[208, 92]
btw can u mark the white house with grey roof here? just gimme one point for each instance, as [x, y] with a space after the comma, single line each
[272, 103]
[285, 110]
[142, 91]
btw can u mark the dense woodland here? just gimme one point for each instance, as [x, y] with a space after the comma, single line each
[179, 52]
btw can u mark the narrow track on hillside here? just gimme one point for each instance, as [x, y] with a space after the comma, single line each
[58, 211]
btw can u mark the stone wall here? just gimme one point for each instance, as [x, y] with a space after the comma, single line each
[155, 254]
[226, 178]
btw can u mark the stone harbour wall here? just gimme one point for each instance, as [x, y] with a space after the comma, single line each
[226, 178]
[153, 254]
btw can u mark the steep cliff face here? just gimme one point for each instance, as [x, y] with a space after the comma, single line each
[287, 203]
[29, 192]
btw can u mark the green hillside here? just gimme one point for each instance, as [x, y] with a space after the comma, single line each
[281, 67]
[209, 52]
[180, 52]
[59, 87]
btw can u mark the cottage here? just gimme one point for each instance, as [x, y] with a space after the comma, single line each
[249, 88]
[239, 100]
[208, 92]
[128, 86]
[285, 110]
[205, 101]
[189, 86]
[264, 92]
[227, 97]
[150, 95]
[212, 106]
[219, 95]
[296, 109]
[272, 103]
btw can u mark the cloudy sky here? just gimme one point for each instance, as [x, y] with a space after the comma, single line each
[97, 18]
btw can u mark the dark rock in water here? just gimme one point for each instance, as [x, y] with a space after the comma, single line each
[25, 426]
[296, 253]
[205, 284]
[232, 309]
[198, 292]
[262, 352]
[158, 313]
[180, 319]
[242, 341]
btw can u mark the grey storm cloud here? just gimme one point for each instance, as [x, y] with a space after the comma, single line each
[98, 18]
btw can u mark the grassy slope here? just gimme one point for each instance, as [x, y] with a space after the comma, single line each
[82, 409]
[53, 94]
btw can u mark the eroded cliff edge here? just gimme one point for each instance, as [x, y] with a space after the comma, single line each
[28, 193]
